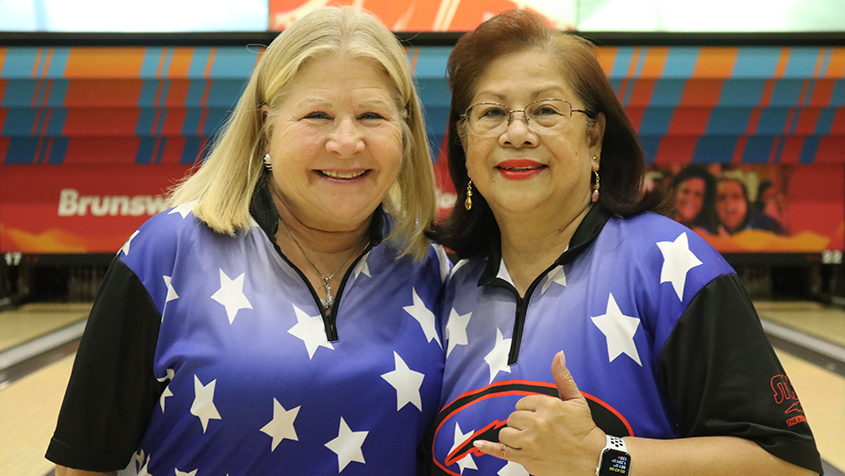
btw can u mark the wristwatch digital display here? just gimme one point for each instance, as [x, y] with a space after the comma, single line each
[614, 460]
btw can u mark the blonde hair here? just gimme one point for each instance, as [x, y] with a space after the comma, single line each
[225, 181]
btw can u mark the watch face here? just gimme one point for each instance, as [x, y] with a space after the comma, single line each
[614, 463]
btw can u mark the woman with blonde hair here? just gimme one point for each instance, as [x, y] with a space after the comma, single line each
[280, 318]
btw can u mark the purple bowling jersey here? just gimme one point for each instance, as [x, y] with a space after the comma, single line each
[658, 334]
[208, 355]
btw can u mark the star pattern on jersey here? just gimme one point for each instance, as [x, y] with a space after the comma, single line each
[203, 406]
[310, 330]
[461, 438]
[456, 330]
[171, 292]
[497, 359]
[347, 445]
[362, 267]
[619, 331]
[183, 209]
[143, 471]
[231, 295]
[557, 276]
[407, 383]
[125, 248]
[281, 426]
[424, 316]
[139, 459]
[678, 260]
[183, 473]
[166, 393]
[513, 469]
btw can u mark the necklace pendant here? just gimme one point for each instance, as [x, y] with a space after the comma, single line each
[329, 301]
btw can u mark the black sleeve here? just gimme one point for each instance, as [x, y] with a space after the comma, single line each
[723, 378]
[112, 389]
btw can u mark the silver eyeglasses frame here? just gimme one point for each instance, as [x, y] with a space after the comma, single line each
[465, 117]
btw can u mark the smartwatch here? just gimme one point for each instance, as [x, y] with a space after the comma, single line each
[614, 459]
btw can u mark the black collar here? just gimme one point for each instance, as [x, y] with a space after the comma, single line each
[586, 233]
[264, 212]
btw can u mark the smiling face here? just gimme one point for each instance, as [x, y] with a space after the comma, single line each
[335, 142]
[689, 199]
[523, 173]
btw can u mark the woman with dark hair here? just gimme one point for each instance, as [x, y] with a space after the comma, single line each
[560, 253]
[695, 198]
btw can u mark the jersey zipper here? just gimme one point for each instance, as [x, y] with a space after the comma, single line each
[329, 319]
[521, 311]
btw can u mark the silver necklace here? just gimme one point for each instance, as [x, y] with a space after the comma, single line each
[329, 301]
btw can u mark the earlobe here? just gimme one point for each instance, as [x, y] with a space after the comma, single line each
[595, 133]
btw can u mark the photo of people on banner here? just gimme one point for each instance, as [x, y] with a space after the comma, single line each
[757, 208]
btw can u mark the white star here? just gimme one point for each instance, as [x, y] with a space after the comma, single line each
[407, 383]
[143, 470]
[425, 317]
[456, 330]
[183, 473]
[183, 209]
[203, 406]
[310, 330]
[513, 469]
[677, 261]
[497, 359]
[139, 458]
[619, 330]
[363, 267]
[231, 295]
[347, 445]
[281, 426]
[166, 393]
[125, 247]
[556, 275]
[171, 292]
[461, 438]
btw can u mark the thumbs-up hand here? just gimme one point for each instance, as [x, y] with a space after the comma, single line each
[551, 436]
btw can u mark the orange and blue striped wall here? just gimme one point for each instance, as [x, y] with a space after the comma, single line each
[163, 105]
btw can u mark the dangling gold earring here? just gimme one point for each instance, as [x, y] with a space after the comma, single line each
[468, 201]
[267, 162]
[596, 186]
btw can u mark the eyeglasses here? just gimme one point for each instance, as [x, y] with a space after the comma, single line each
[490, 118]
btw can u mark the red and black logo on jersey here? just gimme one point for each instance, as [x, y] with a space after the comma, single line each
[606, 417]
[784, 394]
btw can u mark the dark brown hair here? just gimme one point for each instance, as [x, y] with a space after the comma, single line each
[622, 159]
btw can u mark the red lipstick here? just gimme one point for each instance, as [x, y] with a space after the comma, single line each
[520, 169]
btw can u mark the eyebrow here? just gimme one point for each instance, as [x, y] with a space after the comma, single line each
[312, 101]
[537, 94]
